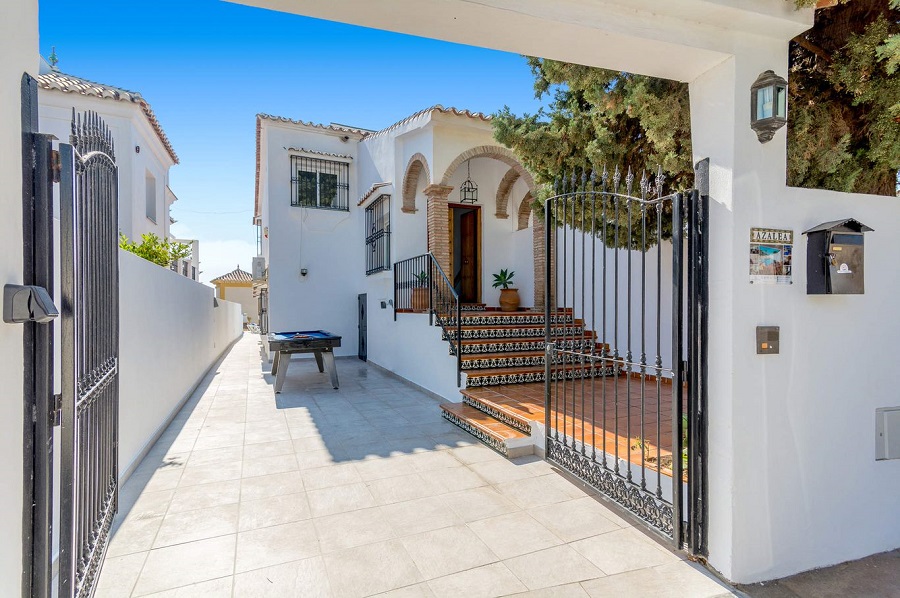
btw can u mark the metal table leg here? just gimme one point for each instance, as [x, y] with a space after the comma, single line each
[328, 357]
[275, 363]
[283, 361]
[319, 363]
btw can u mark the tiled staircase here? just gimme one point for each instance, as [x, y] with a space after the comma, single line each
[503, 348]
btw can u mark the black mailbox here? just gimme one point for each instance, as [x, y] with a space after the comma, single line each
[835, 258]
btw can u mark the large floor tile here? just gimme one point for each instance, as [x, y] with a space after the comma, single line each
[188, 526]
[482, 582]
[514, 534]
[340, 499]
[189, 498]
[215, 588]
[355, 528]
[623, 550]
[274, 510]
[329, 476]
[422, 515]
[274, 545]
[184, 564]
[119, 575]
[448, 550]
[371, 569]
[479, 503]
[552, 567]
[277, 484]
[306, 578]
[134, 535]
[577, 519]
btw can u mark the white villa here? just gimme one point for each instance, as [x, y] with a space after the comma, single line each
[143, 151]
[378, 198]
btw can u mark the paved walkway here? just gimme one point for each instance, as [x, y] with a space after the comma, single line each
[358, 492]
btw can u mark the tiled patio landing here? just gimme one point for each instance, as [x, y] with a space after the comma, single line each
[357, 492]
[618, 427]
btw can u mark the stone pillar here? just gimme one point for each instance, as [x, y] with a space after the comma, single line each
[438, 230]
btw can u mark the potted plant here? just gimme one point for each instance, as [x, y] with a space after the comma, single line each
[509, 298]
[419, 299]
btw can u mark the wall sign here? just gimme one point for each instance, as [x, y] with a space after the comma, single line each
[771, 252]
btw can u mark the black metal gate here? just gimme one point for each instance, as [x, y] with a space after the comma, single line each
[363, 326]
[90, 351]
[632, 264]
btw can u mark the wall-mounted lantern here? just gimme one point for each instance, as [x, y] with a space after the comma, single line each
[768, 105]
[468, 191]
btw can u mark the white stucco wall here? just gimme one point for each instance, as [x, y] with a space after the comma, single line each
[244, 297]
[792, 436]
[170, 334]
[129, 128]
[327, 243]
[18, 47]
[410, 347]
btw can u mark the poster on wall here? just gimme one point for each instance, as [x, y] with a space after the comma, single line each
[771, 251]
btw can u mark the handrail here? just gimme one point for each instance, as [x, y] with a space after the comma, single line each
[442, 300]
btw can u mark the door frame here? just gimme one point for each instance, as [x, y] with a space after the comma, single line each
[451, 211]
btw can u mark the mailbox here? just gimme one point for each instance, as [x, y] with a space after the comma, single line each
[835, 258]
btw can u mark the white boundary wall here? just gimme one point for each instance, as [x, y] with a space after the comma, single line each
[170, 335]
[18, 47]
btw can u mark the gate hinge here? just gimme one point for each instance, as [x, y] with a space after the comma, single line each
[56, 410]
[56, 165]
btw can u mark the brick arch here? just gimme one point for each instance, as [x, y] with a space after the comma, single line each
[506, 184]
[414, 168]
[496, 152]
[525, 211]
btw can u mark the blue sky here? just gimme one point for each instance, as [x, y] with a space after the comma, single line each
[207, 67]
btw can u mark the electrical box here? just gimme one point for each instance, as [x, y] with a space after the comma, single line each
[259, 268]
[887, 433]
[835, 258]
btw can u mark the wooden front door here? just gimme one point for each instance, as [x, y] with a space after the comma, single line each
[468, 239]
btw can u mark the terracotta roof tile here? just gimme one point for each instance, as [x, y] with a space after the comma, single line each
[236, 275]
[57, 81]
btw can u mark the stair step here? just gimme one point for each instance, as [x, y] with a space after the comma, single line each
[485, 428]
[511, 359]
[522, 375]
[520, 331]
[491, 403]
[500, 345]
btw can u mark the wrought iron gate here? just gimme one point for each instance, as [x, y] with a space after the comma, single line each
[90, 351]
[631, 264]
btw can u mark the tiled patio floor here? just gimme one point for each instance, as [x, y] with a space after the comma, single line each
[613, 422]
[357, 492]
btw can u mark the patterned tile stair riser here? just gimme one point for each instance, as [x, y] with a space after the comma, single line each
[501, 416]
[530, 345]
[473, 381]
[492, 442]
[489, 319]
[515, 362]
[521, 332]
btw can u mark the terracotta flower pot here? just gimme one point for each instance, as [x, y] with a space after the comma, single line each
[419, 299]
[509, 299]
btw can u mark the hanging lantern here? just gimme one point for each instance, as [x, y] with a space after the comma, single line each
[468, 191]
[768, 105]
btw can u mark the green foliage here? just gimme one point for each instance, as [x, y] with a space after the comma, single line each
[503, 279]
[844, 111]
[156, 250]
[601, 118]
[843, 119]
[421, 279]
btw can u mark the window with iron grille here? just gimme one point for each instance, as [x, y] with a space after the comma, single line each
[378, 235]
[318, 183]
